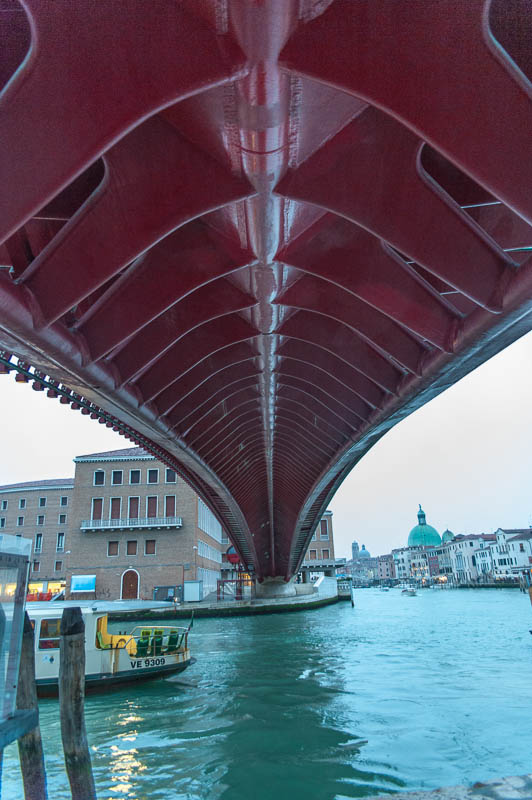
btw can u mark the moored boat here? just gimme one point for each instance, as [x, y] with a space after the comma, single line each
[110, 658]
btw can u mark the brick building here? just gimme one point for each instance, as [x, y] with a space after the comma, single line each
[139, 529]
[40, 511]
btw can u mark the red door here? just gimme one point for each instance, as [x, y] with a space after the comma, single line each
[130, 585]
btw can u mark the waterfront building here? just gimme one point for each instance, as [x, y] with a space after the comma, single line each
[385, 567]
[471, 558]
[402, 562]
[40, 511]
[520, 549]
[138, 530]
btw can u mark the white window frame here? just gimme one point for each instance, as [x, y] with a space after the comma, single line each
[43, 517]
[92, 506]
[22, 502]
[152, 483]
[41, 504]
[37, 548]
[166, 476]
[116, 472]
[111, 507]
[150, 554]
[129, 499]
[4, 505]
[110, 555]
[64, 522]
[65, 498]
[2, 522]
[19, 523]
[132, 555]
[35, 568]
[175, 504]
[60, 549]
[140, 476]
[96, 471]
[60, 569]
[156, 506]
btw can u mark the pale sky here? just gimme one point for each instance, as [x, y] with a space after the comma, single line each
[466, 456]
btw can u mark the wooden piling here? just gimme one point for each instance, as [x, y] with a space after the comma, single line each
[30, 750]
[71, 705]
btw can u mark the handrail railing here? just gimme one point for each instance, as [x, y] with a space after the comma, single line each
[132, 522]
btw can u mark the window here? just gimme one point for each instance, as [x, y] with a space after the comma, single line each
[169, 506]
[2, 522]
[63, 501]
[40, 519]
[313, 555]
[153, 476]
[22, 502]
[38, 542]
[60, 544]
[36, 566]
[521, 547]
[112, 548]
[62, 519]
[324, 530]
[325, 553]
[115, 508]
[58, 566]
[4, 505]
[20, 521]
[134, 475]
[208, 522]
[97, 508]
[171, 476]
[207, 551]
[132, 548]
[42, 502]
[151, 506]
[149, 547]
[99, 478]
[133, 507]
[116, 477]
[49, 634]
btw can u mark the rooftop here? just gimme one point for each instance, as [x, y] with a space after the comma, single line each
[526, 533]
[52, 483]
[126, 453]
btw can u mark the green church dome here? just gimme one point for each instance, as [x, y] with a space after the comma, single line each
[447, 536]
[423, 535]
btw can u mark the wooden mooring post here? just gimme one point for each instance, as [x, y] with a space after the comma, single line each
[30, 745]
[72, 703]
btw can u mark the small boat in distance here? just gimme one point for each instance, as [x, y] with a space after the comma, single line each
[410, 591]
[110, 658]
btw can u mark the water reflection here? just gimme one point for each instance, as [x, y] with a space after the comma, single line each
[336, 703]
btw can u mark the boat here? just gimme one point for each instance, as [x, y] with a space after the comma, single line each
[110, 658]
[410, 592]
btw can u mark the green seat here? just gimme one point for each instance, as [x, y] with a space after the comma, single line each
[101, 643]
[156, 645]
[173, 639]
[142, 647]
[145, 633]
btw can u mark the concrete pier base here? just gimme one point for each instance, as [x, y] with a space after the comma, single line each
[517, 788]
[275, 587]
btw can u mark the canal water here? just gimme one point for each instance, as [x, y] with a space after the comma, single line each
[397, 693]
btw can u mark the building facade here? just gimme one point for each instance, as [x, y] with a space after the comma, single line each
[138, 530]
[41, 511]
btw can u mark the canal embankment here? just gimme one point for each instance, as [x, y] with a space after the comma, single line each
[307, 597]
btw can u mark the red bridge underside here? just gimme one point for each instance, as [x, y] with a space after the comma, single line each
[252, 235]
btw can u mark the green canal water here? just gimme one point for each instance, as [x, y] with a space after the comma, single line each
[398, 693]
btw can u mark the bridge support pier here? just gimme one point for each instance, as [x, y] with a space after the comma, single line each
[275, 587]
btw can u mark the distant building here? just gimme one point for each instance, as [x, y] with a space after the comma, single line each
[355, 550]
[40, 511]
[385, 567]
